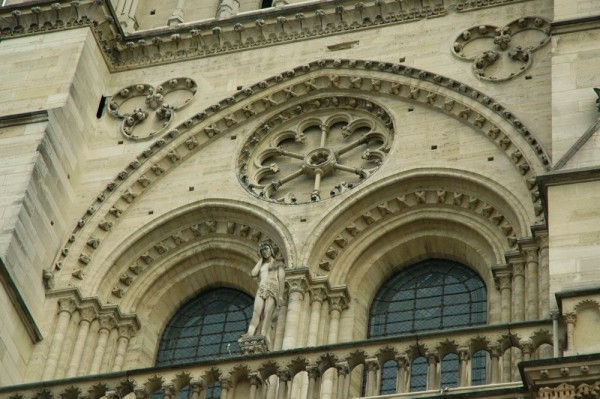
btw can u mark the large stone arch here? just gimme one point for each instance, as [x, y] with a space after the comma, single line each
[206, 229]
[290, 89]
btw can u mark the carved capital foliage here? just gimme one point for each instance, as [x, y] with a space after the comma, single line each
[502, 278]
[88, 314]
[66, 305]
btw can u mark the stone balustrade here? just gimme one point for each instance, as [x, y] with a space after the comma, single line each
[332, 371]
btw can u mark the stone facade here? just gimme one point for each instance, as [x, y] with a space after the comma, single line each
[147, 147]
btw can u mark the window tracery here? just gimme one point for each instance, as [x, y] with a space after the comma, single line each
[316, 151]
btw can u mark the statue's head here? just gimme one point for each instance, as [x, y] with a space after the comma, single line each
[265, 250]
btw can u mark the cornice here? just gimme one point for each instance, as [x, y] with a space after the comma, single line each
[255, 29]
[23, 119]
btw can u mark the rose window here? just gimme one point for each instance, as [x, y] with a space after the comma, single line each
[314, 155]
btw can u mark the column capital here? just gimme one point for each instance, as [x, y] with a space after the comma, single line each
[169, 390]
[88, 314]
[432, 357]
[225, 383]
[140, 392]
[284, 375]
[403, 360]
[318, 294]
[343, 368]
[66, 305]
[125, 331]
[555, 314]
[254, 378]
[338, 302]
[502, 277]
[527, 347]
[372, 363]
[495, 350]
[197, 385]
[518, 267]
[297, 284]
[529, 248]
[313, 372]
[464, 353]
[106, 321]
[570, 318]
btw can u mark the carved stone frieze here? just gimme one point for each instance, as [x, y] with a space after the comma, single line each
[316, 151]
[140, 105]
[502, 53]
[124, 50]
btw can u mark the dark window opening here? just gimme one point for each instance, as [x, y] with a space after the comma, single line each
[266, 3]
[101, 106]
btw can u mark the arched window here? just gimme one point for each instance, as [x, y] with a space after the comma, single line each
[208, 326]
[430, 295]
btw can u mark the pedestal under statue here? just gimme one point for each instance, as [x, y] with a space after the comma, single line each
[269, 296]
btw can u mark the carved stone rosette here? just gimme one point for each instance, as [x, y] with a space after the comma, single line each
[312, 152]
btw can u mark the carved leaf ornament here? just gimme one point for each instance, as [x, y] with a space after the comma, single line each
[502, 53]
[153, 107]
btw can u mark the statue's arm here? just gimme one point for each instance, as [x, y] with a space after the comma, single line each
[256, 270]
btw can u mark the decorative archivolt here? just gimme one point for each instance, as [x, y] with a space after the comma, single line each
[306, 85]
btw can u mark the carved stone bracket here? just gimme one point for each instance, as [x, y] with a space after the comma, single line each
[509, 49]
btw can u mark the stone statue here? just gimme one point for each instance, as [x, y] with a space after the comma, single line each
[269, 296]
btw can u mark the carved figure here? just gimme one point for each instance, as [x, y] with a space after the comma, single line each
[269, 296]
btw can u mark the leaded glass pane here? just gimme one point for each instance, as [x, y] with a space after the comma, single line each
[478, 372]
[205, 327]
[418, 374]
[389, 374]
[450, 371]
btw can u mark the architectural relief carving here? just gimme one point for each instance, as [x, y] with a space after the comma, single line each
[155, 106]
[317, 151]
[123, 50]
[502, 53]
[154, 163]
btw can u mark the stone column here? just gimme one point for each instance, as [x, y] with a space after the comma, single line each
[555, 345]
[296, 290]
[106, 324]
[372, 365]
[125, 333]
[544, 274]
[464, 355]
[317, 296]
[197, 387]
[343, 386]
[66, 307]
[336, 305]
[280, 327]
[176, 16]
[227, 8]
[282, 387]
[313, 374]
[169, 391]
[502, 277]
[571, 319]
[86, 316]
[324, 323]
[432, 371]
[254, 385]
[226, 386]
[403, 374]
[532, 282]
[518, 294]
[495, 364]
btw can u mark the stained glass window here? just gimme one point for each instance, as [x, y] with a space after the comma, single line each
[208, 326]
[431, 295]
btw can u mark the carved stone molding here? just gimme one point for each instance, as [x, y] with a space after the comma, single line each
[373, 218]
[123, 50]
[142, 104]
[180, 143]
[315, 151]
[502, 53]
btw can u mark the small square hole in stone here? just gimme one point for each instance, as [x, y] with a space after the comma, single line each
[402, 59]
[490, 159]
[434, 147]
[233, 137]
[150, 212]
[191, 188]
[52, 223]
[152, 12]
[411, 109]
[239, 87]
[120, 142]
[528, 77]
[303, 219]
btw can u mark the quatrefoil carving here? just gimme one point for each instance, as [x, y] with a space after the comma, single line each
[502, 53]
[143, 105]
